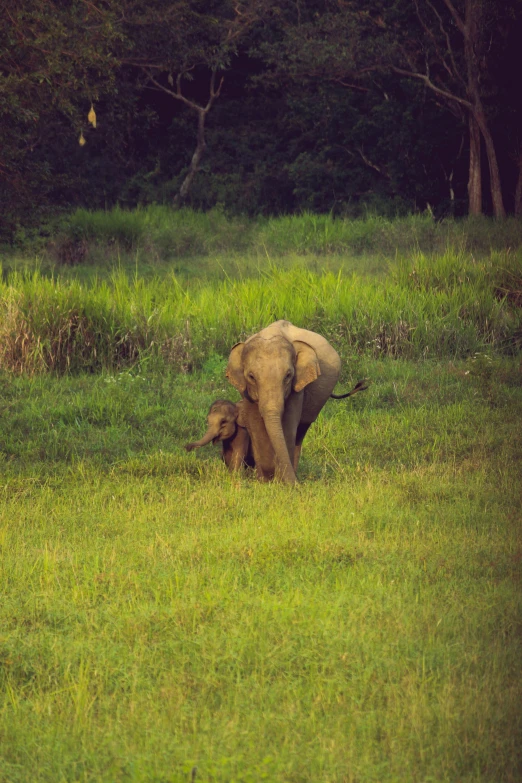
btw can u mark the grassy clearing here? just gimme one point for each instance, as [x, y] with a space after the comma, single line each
[159, 615]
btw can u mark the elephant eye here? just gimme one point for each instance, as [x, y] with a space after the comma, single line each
[250, 376]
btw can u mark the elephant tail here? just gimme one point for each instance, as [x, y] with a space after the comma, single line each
[359, 387]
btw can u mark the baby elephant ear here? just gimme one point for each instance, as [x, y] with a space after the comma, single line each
[234, 371]
[306, 366]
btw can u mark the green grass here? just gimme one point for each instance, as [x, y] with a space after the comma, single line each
[165, 233]
[452, 305]
[158, 239]
[159, 615]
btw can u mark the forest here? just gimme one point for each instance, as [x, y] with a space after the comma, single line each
[259, 107]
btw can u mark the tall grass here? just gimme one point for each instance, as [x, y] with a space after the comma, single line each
[453, 306]
[161, 233]
[157, 231]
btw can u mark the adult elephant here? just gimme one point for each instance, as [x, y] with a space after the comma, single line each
[285, 374]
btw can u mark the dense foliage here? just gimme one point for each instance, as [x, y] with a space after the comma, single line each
[259, 106]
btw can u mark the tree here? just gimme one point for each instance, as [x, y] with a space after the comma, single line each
[456, 71]
[446, 45]
[55, 63]
[170, 43]
[57, 59]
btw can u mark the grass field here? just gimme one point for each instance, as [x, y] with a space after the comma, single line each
[163, 621]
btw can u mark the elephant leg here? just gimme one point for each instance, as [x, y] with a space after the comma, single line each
[264, 458]
[236, 449]
[302, 429]
[264, 474]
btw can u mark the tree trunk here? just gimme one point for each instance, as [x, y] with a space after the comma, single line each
[201, 145]
[518, 189]
[475, 171]
[201, 111]
[473, 32]
[494, 172]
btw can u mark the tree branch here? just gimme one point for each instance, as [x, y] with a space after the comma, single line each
[429, 32]
[178, 95]
[349, 84]
[458, 21]
[426, 79]
[453, 71]
[213, 92]
[93, 7]
[381, 170]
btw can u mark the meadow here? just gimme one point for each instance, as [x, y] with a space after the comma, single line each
[164, 621]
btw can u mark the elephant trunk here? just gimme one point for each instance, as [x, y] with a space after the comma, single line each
[209, 435]
[284, 468]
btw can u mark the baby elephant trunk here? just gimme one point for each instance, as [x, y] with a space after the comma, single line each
[209, 436]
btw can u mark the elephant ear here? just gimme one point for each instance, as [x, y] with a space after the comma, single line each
[306, 366]
[241, 414]
[234, 371]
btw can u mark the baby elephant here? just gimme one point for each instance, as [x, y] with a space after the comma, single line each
[224, 425]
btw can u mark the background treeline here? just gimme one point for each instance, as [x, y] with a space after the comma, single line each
[260, 107]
